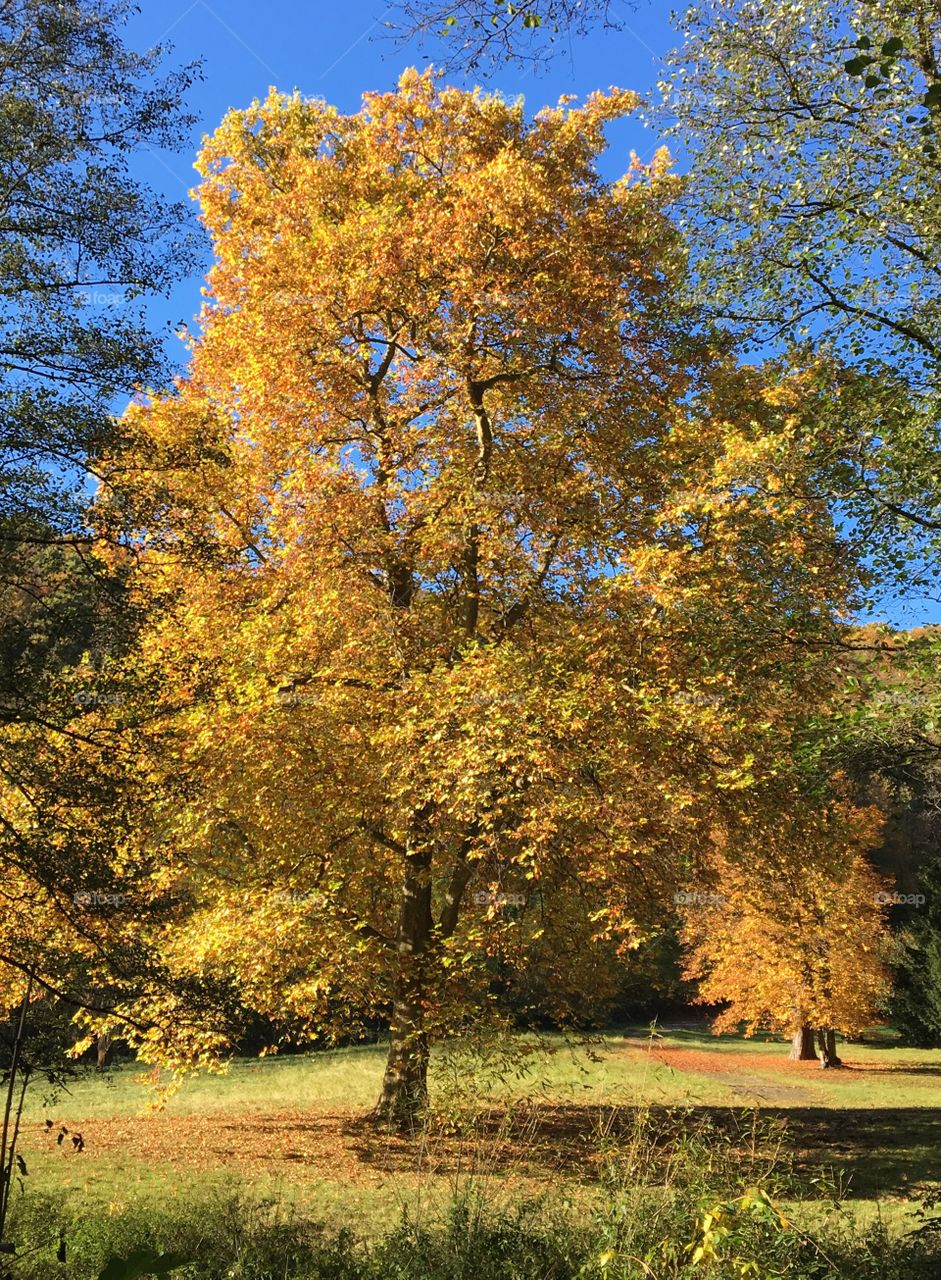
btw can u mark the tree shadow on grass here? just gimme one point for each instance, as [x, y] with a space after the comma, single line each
[896, 1068]
[873, 1152]
[882, 1151]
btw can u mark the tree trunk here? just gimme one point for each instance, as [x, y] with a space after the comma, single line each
[802, 1044]
[103, 1047]
[826, 1040]
[835, 1059]
[405, 1084]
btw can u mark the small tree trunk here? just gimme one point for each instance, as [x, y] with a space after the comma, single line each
[802, 1044]
[103, 1048]
[826, 1041]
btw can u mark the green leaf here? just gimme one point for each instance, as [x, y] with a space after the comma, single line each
[892, 46]
[856, 66]
[142, 1262]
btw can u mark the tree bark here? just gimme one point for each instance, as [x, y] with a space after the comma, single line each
[826, 1040]
[802, 1044]
[404, 1093]
[102, 1049]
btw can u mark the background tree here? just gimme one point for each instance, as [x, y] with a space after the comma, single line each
[795, 937]
[82, 243]
[80, 240]
[885, 736]
[827, 205]
[916, 998]
[813, 202]
[491, 600]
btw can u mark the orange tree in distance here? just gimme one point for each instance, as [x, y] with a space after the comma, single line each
[794, 938]
[482, 574]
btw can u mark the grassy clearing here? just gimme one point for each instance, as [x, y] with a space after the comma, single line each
[611, 1071]
[290, 1129]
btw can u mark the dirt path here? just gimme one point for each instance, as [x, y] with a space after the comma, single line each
[743, 1073]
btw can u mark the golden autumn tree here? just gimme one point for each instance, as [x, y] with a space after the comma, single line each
[80, 891]
[482, 575]
[78, 900]
[794, 938]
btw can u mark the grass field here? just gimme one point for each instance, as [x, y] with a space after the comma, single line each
[292, 1128]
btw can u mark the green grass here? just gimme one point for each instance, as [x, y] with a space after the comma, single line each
[344, 1078]
[903, 1078]
[349, 1079]
[629, 1235]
